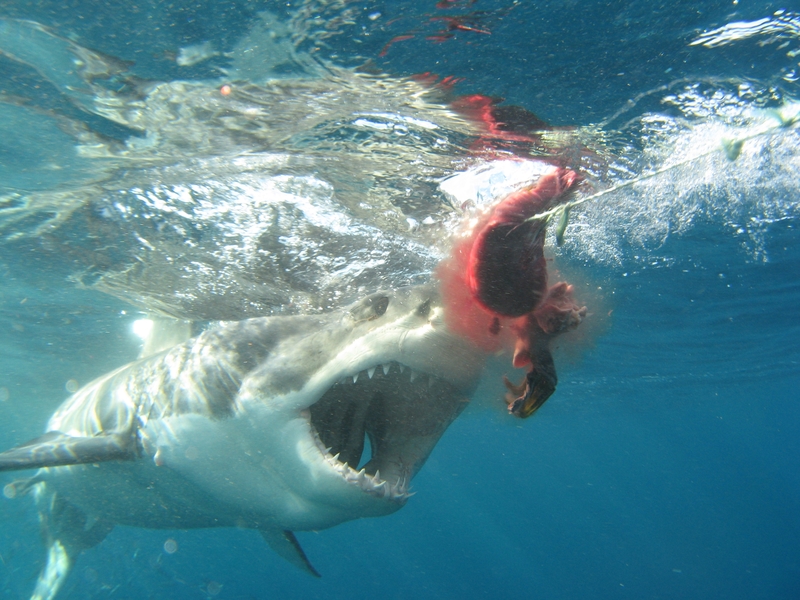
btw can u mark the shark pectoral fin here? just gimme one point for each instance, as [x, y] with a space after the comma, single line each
[55, 449]
[286, 545]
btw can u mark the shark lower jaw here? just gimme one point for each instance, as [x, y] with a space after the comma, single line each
[389, 411]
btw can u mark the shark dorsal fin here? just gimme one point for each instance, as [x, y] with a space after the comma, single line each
[161, 333]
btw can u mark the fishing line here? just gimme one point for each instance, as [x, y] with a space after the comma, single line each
[784, 118]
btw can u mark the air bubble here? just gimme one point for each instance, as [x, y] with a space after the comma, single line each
[213, 588]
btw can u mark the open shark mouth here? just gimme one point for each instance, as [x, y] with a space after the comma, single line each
[395, 413]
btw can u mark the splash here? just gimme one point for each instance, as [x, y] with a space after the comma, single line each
[781, 28]
[781, 25]
[290, 193]
[721, 160]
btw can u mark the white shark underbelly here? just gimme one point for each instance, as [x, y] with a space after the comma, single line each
[203, 473]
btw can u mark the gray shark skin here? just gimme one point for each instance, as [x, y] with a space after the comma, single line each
[258, 423]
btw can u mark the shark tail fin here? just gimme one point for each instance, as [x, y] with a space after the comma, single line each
[66, 531]
[55, 449]
[286, 545]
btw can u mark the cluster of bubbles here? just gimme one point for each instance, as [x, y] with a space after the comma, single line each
[721, 153]
[720, 156]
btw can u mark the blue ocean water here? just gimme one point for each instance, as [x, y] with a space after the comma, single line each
[666, 464]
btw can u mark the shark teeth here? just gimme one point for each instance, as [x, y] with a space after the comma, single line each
[386, 368]
[397, 490]
[371, 484]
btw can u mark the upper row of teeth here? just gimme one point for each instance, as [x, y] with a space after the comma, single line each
[385, 368]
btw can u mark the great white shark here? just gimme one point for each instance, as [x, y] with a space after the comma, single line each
[269, 198]
[258, 423]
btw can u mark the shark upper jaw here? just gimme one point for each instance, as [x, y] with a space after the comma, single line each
[396, 381]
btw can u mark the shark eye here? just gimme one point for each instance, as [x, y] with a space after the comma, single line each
[370, 308]
[379, 305]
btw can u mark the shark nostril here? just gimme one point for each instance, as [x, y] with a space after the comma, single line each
[424, 309]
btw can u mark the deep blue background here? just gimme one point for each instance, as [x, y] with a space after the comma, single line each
[667, 464]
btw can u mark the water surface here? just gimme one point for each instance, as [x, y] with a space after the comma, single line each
[667, 463]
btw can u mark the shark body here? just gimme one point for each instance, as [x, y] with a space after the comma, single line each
[258, 423]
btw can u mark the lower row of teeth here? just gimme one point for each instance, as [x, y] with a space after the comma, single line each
[372, 484]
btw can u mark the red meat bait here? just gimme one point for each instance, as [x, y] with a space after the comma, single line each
[496, 293]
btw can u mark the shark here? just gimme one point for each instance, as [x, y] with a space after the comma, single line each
[278, 424]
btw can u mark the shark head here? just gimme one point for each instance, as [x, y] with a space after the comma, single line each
[348, 405]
